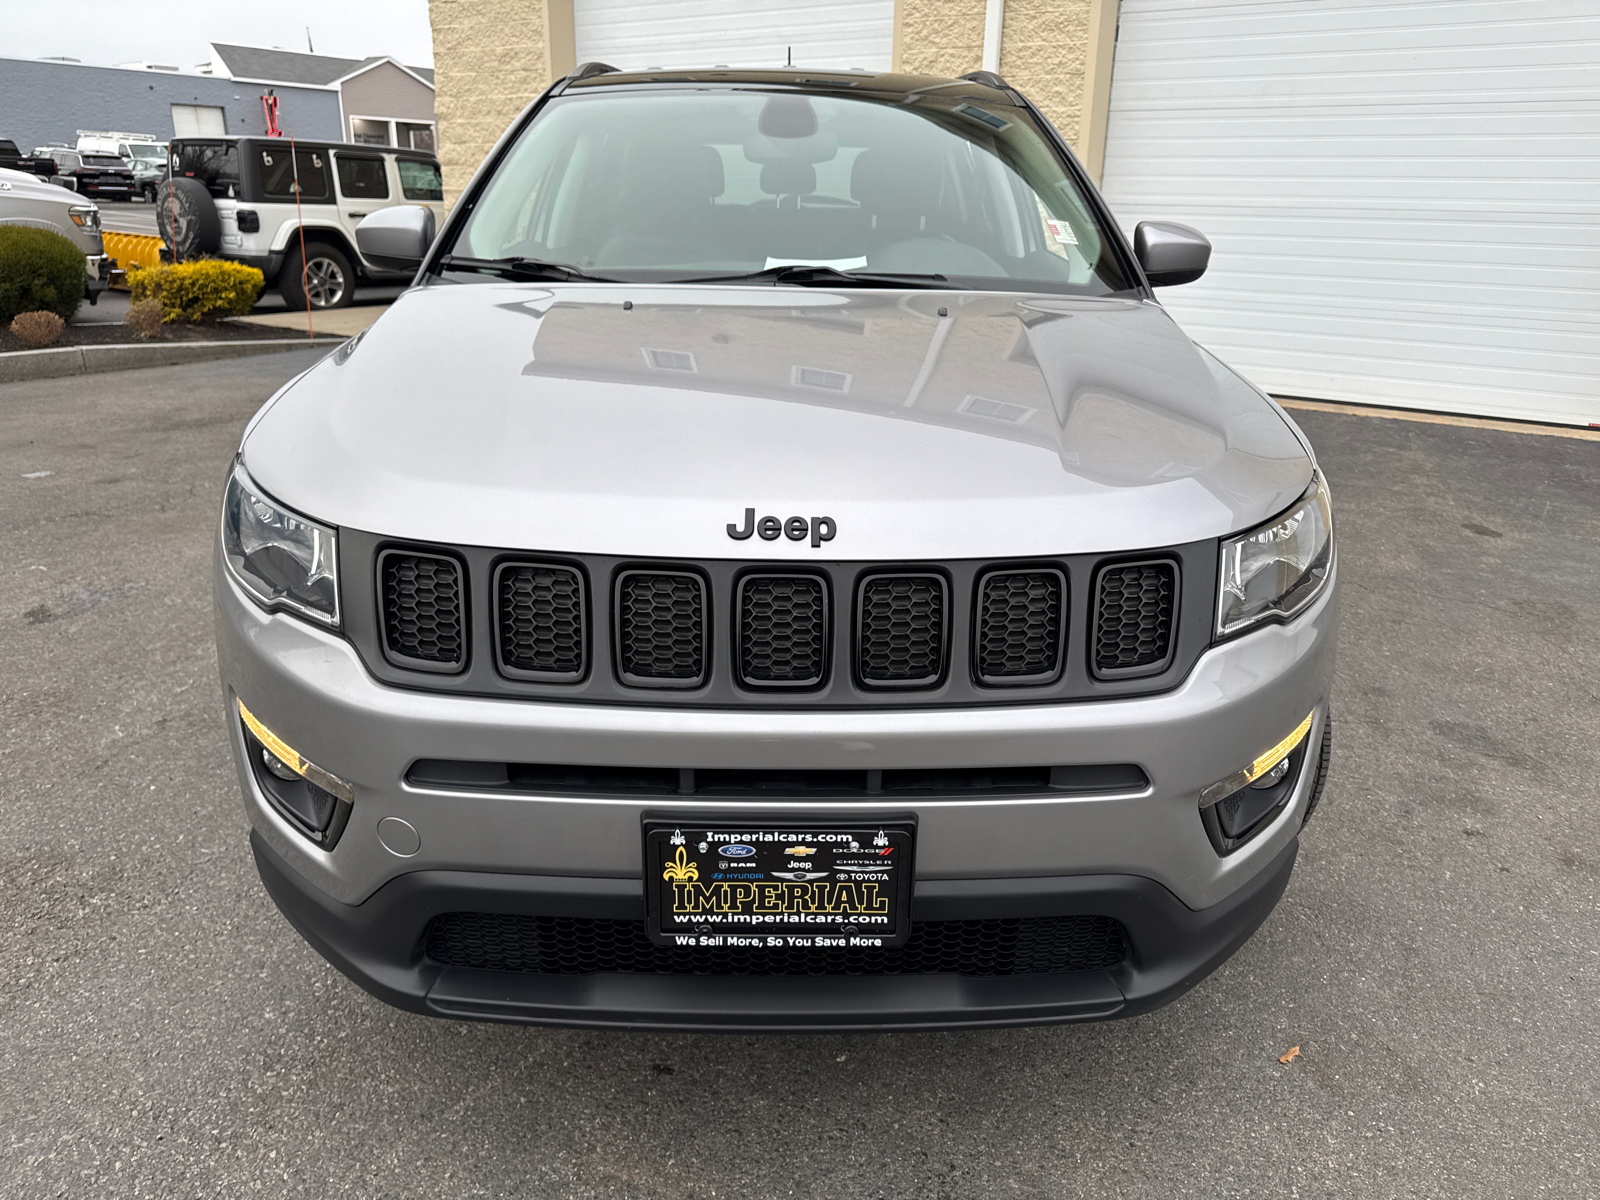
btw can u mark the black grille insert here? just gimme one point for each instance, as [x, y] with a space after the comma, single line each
[541, 621]
[783, 630]
[900, 634]
[661, 629]
[1134, 618]
[587, 946]
[424, 611]
[1020, 627]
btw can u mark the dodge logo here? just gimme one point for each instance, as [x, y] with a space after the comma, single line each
[820, 529]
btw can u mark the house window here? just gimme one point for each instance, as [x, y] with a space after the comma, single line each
[369, 132]
[414, 136]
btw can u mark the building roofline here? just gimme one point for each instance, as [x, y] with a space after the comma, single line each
[378, 62]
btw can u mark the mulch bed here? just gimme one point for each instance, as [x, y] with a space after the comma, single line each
[123, 335]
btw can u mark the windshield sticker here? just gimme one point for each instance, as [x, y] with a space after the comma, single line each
[1061, 231]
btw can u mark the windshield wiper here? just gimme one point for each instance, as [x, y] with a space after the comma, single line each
[820, 276]
[521, 268]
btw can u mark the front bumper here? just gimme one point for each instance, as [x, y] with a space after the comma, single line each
[1142, 857]
[378, 944]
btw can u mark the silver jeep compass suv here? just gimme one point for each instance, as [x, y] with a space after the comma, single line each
[779, 567]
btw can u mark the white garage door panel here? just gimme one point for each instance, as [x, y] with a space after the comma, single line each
[1404, 196]
[634, 34]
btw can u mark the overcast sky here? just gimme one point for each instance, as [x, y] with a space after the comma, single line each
[180, 32]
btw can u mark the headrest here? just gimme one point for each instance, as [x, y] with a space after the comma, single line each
[788, 179]
[882, 181]
[684, 170]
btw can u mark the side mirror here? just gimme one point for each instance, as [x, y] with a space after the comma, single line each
[397, 238]
[1169, 253]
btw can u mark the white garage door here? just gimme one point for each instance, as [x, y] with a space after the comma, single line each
[633, 34]
[1404, 197]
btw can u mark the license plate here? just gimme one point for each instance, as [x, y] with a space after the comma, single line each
[778, 884]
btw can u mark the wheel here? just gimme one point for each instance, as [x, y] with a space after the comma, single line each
[187, 219]
[148, 191]
[328, 278]
[1323, 756]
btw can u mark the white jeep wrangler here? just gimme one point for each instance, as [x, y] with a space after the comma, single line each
[292, 214]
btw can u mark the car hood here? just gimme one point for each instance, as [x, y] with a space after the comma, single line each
[20, 185]
[635, 420]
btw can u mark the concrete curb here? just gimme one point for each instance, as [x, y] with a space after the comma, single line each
[20, 366]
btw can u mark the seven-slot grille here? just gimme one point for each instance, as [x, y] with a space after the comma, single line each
[783, 630]
[424, 619]
[661, 629]
[1134, 617]
[657, 632]
[901, 630]
[1019, 627]
[540, 619]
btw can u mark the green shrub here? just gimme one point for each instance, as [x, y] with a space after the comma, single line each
[39, 271]
[194, 291]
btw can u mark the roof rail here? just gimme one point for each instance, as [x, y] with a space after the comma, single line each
[591, 68]
[988, 79]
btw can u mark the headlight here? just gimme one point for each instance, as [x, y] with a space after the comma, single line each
[279, 557]
[1274, 571]
[85, 216]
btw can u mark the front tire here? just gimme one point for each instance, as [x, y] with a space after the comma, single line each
[324, 274]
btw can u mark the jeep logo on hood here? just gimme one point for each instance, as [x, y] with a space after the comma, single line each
[820, 529]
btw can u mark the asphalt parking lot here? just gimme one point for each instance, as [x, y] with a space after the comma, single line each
[1436, 959]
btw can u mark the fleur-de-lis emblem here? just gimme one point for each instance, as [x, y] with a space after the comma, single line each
[677, 837]
[680, 868]
[881, 840]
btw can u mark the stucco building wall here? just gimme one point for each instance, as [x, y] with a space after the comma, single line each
[490, 59]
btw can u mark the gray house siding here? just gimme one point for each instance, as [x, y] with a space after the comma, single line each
[387, 91]
[49, 102]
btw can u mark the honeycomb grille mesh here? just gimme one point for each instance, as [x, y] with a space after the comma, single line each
[661, 623]
[586, 946]
[422, 611]
[1134, 625]
[782, 629]
[901, 637]
[1019, 625]
[541, 620]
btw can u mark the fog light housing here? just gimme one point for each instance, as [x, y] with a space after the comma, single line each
[314, 801]
[1237, 808]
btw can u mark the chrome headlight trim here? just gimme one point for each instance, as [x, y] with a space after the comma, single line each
[1274, 571]
[284, 561]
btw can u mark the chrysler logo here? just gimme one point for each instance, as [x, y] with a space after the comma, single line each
[796, 529]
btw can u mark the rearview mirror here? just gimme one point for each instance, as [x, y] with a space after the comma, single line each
[397, 238]
[1170, 253]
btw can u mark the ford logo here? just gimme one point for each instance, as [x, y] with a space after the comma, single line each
[736, 850]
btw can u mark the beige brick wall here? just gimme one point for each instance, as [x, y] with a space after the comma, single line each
[1043, 48]
[490, 59]
[939, 37]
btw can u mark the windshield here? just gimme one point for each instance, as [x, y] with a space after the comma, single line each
[101, 160]
[147, 150]
[679, 185]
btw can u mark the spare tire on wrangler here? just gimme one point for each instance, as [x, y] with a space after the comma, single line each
[187, 218]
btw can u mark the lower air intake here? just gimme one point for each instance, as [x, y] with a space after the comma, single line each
[587, 946]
